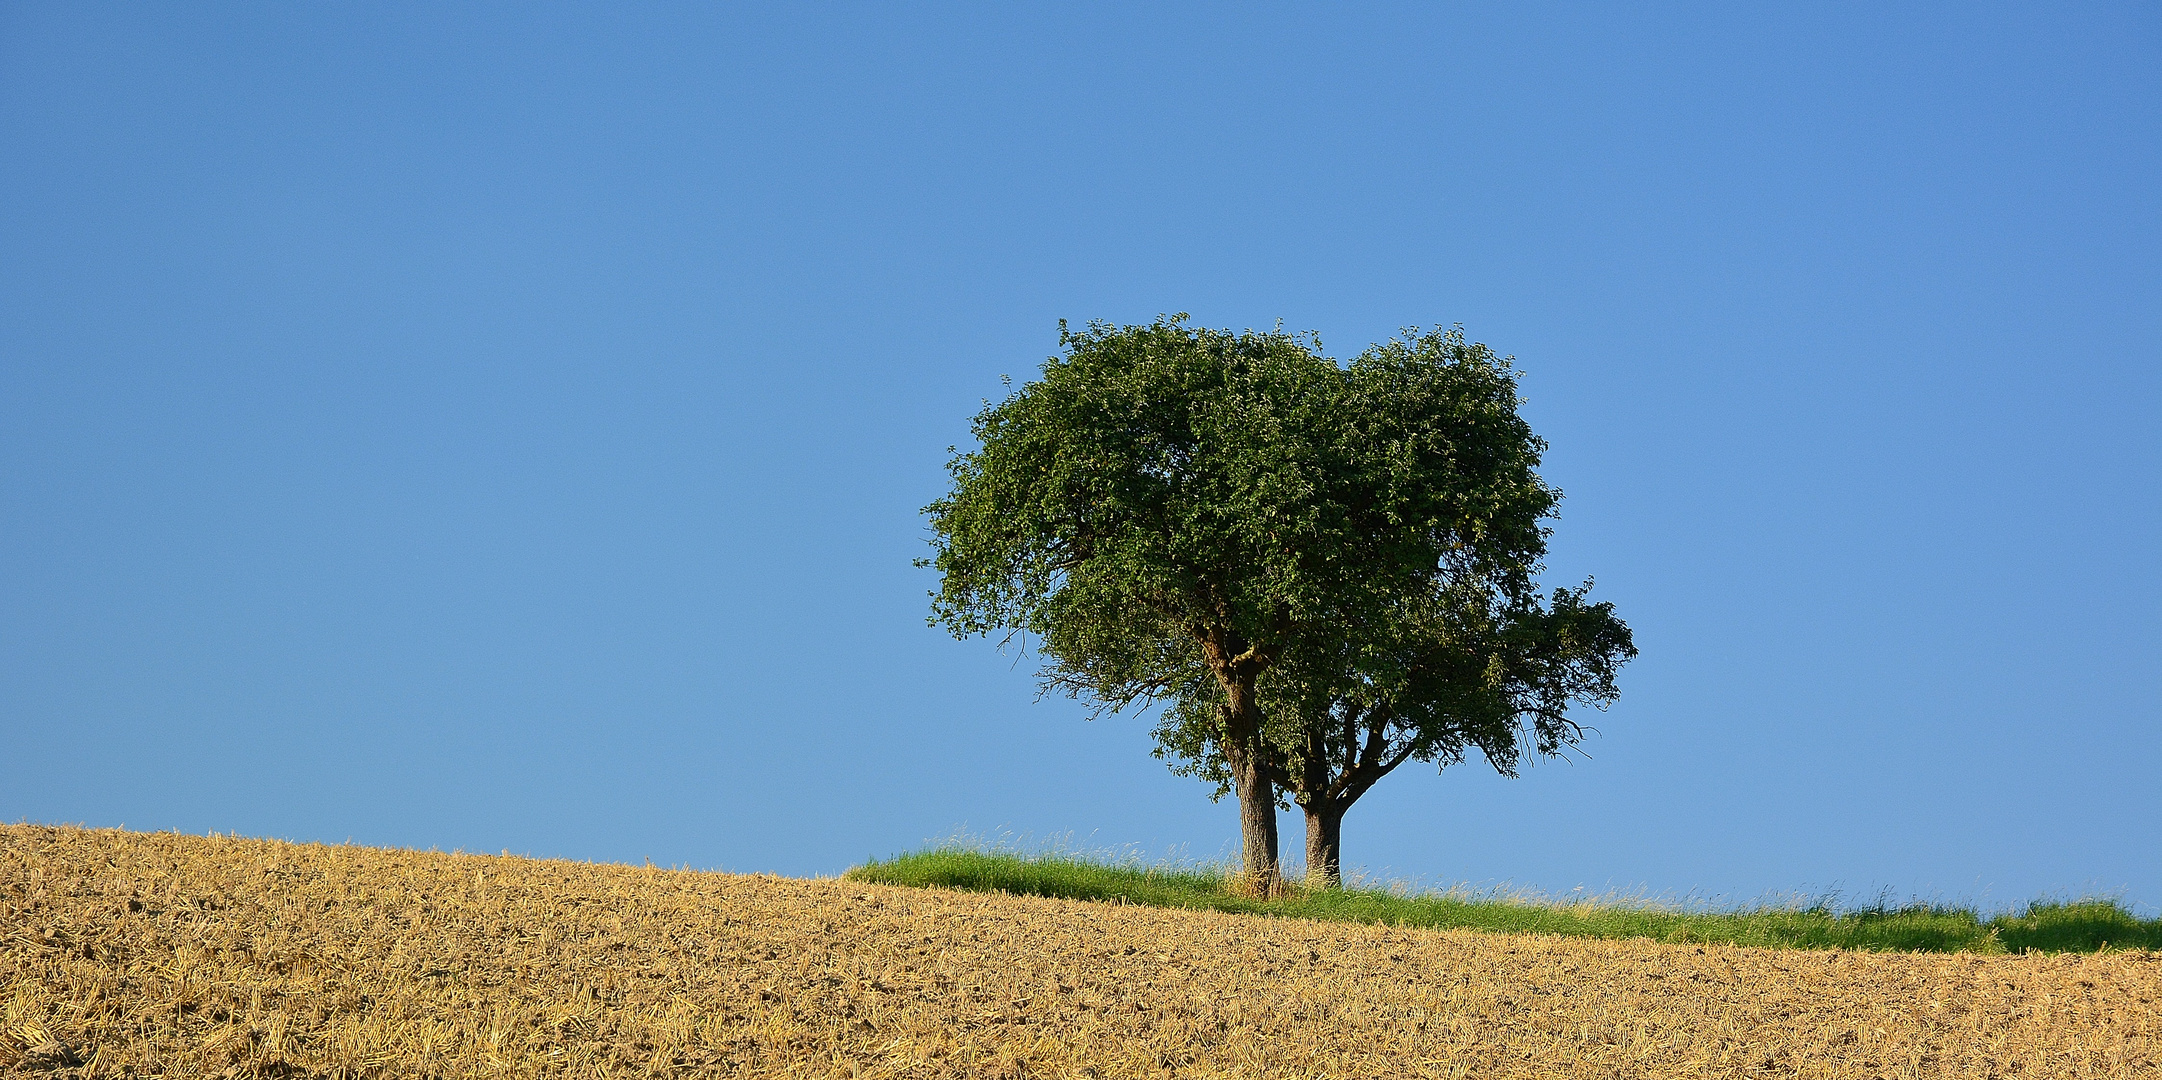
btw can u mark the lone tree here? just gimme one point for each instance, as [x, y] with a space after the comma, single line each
[1169, 511]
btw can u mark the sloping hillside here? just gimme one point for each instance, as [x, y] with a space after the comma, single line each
[125, 952]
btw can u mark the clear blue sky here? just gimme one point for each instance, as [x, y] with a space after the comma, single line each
[505, 427]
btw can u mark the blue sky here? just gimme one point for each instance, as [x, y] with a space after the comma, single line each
[505, 427]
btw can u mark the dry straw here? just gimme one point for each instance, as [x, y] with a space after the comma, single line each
[125, 953]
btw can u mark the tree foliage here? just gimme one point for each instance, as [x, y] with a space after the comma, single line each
[1271, 544]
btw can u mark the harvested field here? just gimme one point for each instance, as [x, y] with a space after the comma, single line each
[157, 954]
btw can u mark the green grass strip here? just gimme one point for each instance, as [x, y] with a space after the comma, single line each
[2045, 926]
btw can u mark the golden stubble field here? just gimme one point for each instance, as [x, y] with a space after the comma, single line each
[161, 954]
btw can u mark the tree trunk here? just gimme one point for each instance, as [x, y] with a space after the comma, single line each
[1324, 845]
[1241, 743]
[1257, 821]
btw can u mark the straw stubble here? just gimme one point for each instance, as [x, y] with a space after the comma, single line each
[176, 954]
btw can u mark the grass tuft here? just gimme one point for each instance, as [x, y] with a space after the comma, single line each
[2087, 925]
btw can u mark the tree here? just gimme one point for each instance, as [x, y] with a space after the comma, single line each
[1167, 511]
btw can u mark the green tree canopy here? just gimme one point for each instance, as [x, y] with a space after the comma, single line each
[1169, 512]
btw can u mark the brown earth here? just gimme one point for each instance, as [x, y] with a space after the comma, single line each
[148, 954]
